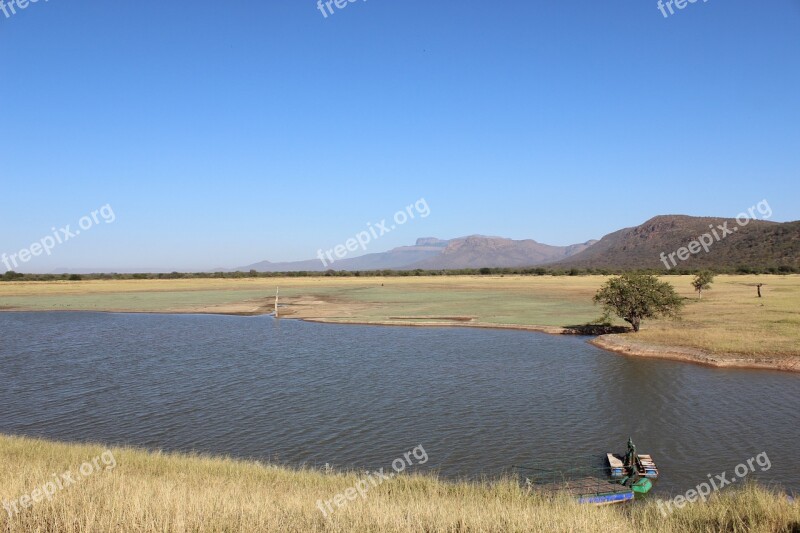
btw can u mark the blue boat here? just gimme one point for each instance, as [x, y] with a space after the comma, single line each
[583, 484]
[608, 499]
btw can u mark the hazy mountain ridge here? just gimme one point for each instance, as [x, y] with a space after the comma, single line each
[478, 251]
[474, 251]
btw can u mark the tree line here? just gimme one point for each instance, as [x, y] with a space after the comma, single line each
[531, 271]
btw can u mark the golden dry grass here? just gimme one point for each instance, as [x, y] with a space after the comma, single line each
[728, 319]
[180, 493]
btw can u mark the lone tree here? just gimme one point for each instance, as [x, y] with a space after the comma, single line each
[633, 297]
[702, 282]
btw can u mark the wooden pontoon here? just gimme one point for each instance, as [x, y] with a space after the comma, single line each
[646, 467]
[632, 468]
[616, 465]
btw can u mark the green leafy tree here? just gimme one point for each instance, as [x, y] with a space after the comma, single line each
[702, 282]
[634, 297]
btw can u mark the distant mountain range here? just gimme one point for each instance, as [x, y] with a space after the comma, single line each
[758, 244]
[475, 251]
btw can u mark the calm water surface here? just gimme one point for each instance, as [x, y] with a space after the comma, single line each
[478, 400]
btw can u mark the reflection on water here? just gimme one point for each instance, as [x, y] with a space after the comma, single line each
[478, 400]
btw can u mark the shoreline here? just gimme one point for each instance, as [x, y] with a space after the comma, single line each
[629, 347]
[550, 330]
[614, 343]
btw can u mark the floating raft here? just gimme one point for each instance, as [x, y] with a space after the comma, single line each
[647, 467]
[592, 490]
[616, 465]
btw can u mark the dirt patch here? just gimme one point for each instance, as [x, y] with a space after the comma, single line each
[448, 318]
[553, 330]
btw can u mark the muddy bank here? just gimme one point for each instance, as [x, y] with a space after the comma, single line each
[552, 330]
[623, 344]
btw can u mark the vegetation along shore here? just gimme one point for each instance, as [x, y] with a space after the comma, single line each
[154, 491]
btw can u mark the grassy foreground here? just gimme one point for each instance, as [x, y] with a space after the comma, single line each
[729, 319]
[169, 492]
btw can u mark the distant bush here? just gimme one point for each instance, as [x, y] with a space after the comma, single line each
[11, 276]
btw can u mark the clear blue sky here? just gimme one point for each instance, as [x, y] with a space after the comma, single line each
[224, 133]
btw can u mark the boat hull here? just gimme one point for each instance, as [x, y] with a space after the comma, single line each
[607, 499]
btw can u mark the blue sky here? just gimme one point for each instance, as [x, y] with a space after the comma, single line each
[224, 133]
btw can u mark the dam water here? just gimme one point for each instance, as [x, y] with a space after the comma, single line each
[477, 400]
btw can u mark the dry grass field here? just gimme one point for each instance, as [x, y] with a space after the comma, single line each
[732, 319]
[181, 493]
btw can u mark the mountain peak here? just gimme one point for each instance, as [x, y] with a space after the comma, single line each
[430, 241]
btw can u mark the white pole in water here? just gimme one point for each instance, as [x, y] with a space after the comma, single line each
[276, 301]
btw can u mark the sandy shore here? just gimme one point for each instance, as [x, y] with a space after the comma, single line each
[626, 345]
[552, 330]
